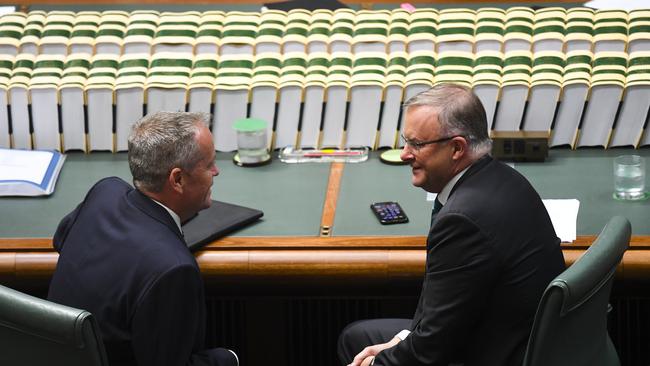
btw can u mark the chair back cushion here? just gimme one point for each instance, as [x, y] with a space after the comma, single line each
[34, 331]
[570, 326]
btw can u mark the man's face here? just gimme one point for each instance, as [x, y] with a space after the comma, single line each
[431, 164]
[197, 189]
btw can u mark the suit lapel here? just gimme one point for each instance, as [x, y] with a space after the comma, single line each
[153, 210]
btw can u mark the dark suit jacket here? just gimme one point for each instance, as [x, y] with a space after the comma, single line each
[123, 258]
[491, 252]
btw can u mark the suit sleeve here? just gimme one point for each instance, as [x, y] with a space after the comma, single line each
[460, 272]
[167, 318]
[64, 227]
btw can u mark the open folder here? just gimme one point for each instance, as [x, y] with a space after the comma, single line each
[216, 221]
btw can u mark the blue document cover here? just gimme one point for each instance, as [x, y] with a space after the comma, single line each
[29, 172]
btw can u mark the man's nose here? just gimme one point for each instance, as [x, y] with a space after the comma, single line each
[406, 154]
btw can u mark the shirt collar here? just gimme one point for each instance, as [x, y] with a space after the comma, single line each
[443, 196]
[175, 217]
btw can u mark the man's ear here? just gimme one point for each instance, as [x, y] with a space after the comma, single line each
[175, 180]
[459, 144]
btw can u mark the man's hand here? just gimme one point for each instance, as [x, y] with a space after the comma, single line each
[366, 356]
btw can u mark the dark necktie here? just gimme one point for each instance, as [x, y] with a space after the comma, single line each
[436, 208]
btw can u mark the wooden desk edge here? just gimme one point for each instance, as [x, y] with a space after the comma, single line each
[638, 242]
[339, 261]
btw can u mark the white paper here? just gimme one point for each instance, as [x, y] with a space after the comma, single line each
[564, 216]
[24, 165]
[7, 9]
[617, 4]
[563, 213]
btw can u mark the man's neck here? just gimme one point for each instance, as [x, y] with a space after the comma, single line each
[163, 199]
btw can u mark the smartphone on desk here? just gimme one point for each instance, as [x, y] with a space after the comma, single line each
[389, 213]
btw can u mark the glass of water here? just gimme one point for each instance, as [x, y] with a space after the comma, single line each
[629, 178]
[251, 142]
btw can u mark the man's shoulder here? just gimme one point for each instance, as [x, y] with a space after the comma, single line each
[110, 184]
[489, 171]
[493, 189]
[107, 189]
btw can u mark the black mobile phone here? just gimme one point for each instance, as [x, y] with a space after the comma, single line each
[389, 213]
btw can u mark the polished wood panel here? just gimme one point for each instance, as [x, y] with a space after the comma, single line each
[296, 262]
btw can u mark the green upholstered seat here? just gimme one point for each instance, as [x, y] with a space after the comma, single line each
[454, 67]
[610, 25]
[22, 71]
[369, 68]
[398, 28]
[488, 67]
[577, 69]
[396, 69]
[570, 325]
[177, 28]
[57, 27]
[267, 69]
[638, 25]
[455, 25]
[132, 71]
[490, 24]
[548, 67]
[234, 72]
[47, 71]
[11, 29]
[103, 71]
[112, 27]
[549, 24]
[142, 27]
[609, 68]
[317, 67]
[210, 27]
[519, 23]
[319, 26]
[33, 28]
[423, 25]
[34, 331]
[297, 27]
[371, 26]
[169, 70]
[271, 28]
[579, 24]
[84, 30]
[342, 25]
[240, 28]
[638, 68]
[420, 69]
[6, 64]
[517, 68]
[294, 67]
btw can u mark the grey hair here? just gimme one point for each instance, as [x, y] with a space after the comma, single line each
[160, 142]
[459, 111]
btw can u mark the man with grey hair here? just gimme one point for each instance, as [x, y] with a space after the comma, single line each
[122, 252]
[491, 248]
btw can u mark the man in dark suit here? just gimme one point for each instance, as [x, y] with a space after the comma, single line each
[491, 248]
[122, 252]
